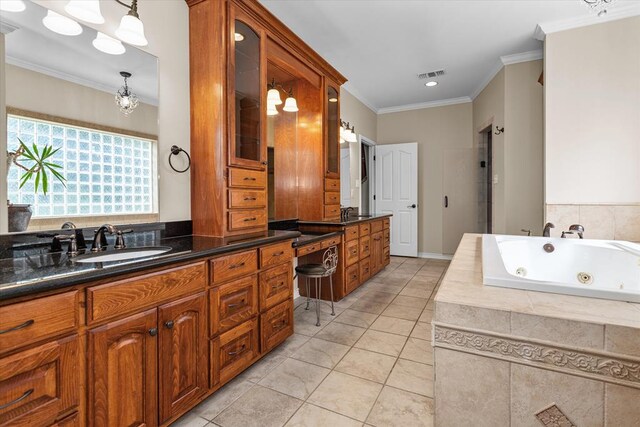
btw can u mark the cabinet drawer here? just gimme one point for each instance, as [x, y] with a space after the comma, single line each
[247, 178]
[236, 265]
[351, 277]
[26, 322]
[276, 254]
[233, 351]
[331, 184]
[351, 251]
[365, 269]
[240, 220]
[387, 237]
[276, 325]
[247, 199]
[365, 249]
[365, 229]
[327, 243]
[232, 303]
[386, 223]
[351, 233]
[332, 211]
[307, 249]
[331, 198]
[276, 285]
[125, 296]
[70, 421]
[376, 226]
[38, 384]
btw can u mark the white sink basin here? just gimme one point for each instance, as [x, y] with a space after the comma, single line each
[123, 254]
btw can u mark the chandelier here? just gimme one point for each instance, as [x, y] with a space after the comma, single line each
[125, 99]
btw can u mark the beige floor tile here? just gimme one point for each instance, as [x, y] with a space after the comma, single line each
[291, 345]
[313, 416]
[410, 301]
[262, 367]
[400, 408]
[381, 342]
[402, 312]
[393, 325]
[347, 395]
[418, 351]
[295, 378]
[259, 407]
[377, 296]
[426, 316]
[356, 318]
[305, 322]
[419, 292]
[385, 287]
[412, 376]
[321, 352]
[366, 364]
[369, 306]
[190, 419]
[396, 279]
[341, 333]
[221, 399]
[422, 331]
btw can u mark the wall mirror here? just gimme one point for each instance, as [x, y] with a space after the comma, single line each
[60, 93]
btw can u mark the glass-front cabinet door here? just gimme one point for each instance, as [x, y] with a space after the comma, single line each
[332, 126]
[246, 94]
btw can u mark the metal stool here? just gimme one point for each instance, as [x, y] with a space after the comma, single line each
[318, 272]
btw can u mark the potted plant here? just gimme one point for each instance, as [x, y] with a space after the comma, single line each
[36, 164]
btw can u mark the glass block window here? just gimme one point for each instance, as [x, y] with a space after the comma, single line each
[106, 173]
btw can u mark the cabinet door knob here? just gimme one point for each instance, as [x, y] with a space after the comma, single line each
[153, 332]
[168, 324]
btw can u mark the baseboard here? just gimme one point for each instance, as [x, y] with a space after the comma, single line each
[434, 256]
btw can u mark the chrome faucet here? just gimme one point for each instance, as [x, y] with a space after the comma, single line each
[100, 240]
[577, 229]
[547, 229]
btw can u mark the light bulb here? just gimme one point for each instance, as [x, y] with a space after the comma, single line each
[61, 24]
[273, 97]
[107, 44]
[290, 105]
[131, 30]
[12, 6]
[85, 10]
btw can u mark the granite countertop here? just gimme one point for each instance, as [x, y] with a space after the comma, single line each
[349, 221]
[308, 238]
[38, 270]
[462, 286]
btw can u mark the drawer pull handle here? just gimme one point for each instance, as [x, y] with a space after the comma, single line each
[253, 218]
[13, 402]
[278, 286]
[278, 253]
[169, 324]
[16, 328]
[249, 198]
[248, 178]
[280, 325]
[237, 304]
[355, 276]
[153, 332]
[232, 267]
[233, 353]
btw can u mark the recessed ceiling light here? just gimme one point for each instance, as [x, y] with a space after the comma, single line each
[431, 84]
[109, 45]
[12, 6]
[61, 24]
[333, 99]
[238, 37]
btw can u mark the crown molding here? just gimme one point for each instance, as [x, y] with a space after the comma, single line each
[532, 55]
[70, 78]
[348, 86]
[494, 72]
[615, 13]
[421, 105]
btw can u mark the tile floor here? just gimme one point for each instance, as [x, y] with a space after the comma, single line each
[371, 364]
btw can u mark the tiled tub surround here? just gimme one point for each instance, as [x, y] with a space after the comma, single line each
[619, 222]
[505, 356]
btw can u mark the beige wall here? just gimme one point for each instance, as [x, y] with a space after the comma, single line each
[434, 129]
[592, 90]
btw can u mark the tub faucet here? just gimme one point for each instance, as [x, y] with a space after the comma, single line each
[547, 229]
[577, 229]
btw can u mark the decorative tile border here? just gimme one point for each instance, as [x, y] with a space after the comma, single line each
[581, 362]
[554, 417]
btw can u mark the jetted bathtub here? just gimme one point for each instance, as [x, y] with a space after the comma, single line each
[592, 268]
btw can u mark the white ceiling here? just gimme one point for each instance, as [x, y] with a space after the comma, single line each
[381, 46]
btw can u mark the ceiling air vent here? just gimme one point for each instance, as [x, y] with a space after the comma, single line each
[431, 74]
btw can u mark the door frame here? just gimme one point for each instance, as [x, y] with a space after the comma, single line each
[372, 172]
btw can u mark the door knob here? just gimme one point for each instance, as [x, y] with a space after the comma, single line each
[168, 324]
[153, 332]
[413, 206]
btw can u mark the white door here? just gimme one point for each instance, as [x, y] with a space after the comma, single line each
[396, 192]
[460, 206]
[345, 178]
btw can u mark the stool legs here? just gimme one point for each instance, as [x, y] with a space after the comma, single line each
[333, 312]
[306, 282]
[318, 279]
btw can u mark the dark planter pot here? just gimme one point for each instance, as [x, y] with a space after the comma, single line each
[19, 217]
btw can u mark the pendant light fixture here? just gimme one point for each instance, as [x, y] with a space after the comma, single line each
[109, 45]
[125, 99]
[273, 95]
[131, 29]
[61, 24]
[12, 6]
[85, 10]
[273, 99]
[290, 104]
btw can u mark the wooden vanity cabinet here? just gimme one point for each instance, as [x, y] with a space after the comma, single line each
[331, 149]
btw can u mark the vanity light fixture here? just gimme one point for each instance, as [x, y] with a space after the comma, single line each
[347, 132]
[131, 29]
[599, 7]
[273, 95]
[290, 104]
[85, 10]
[238, 37]
[272, 110]
[61, 24]
[109, 45]
[125, 99]
[12, 6]
[273, 99]
[431, 84]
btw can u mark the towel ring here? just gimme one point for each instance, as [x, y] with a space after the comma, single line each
[175, 150]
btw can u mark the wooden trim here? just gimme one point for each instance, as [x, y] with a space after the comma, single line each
[79, 123]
